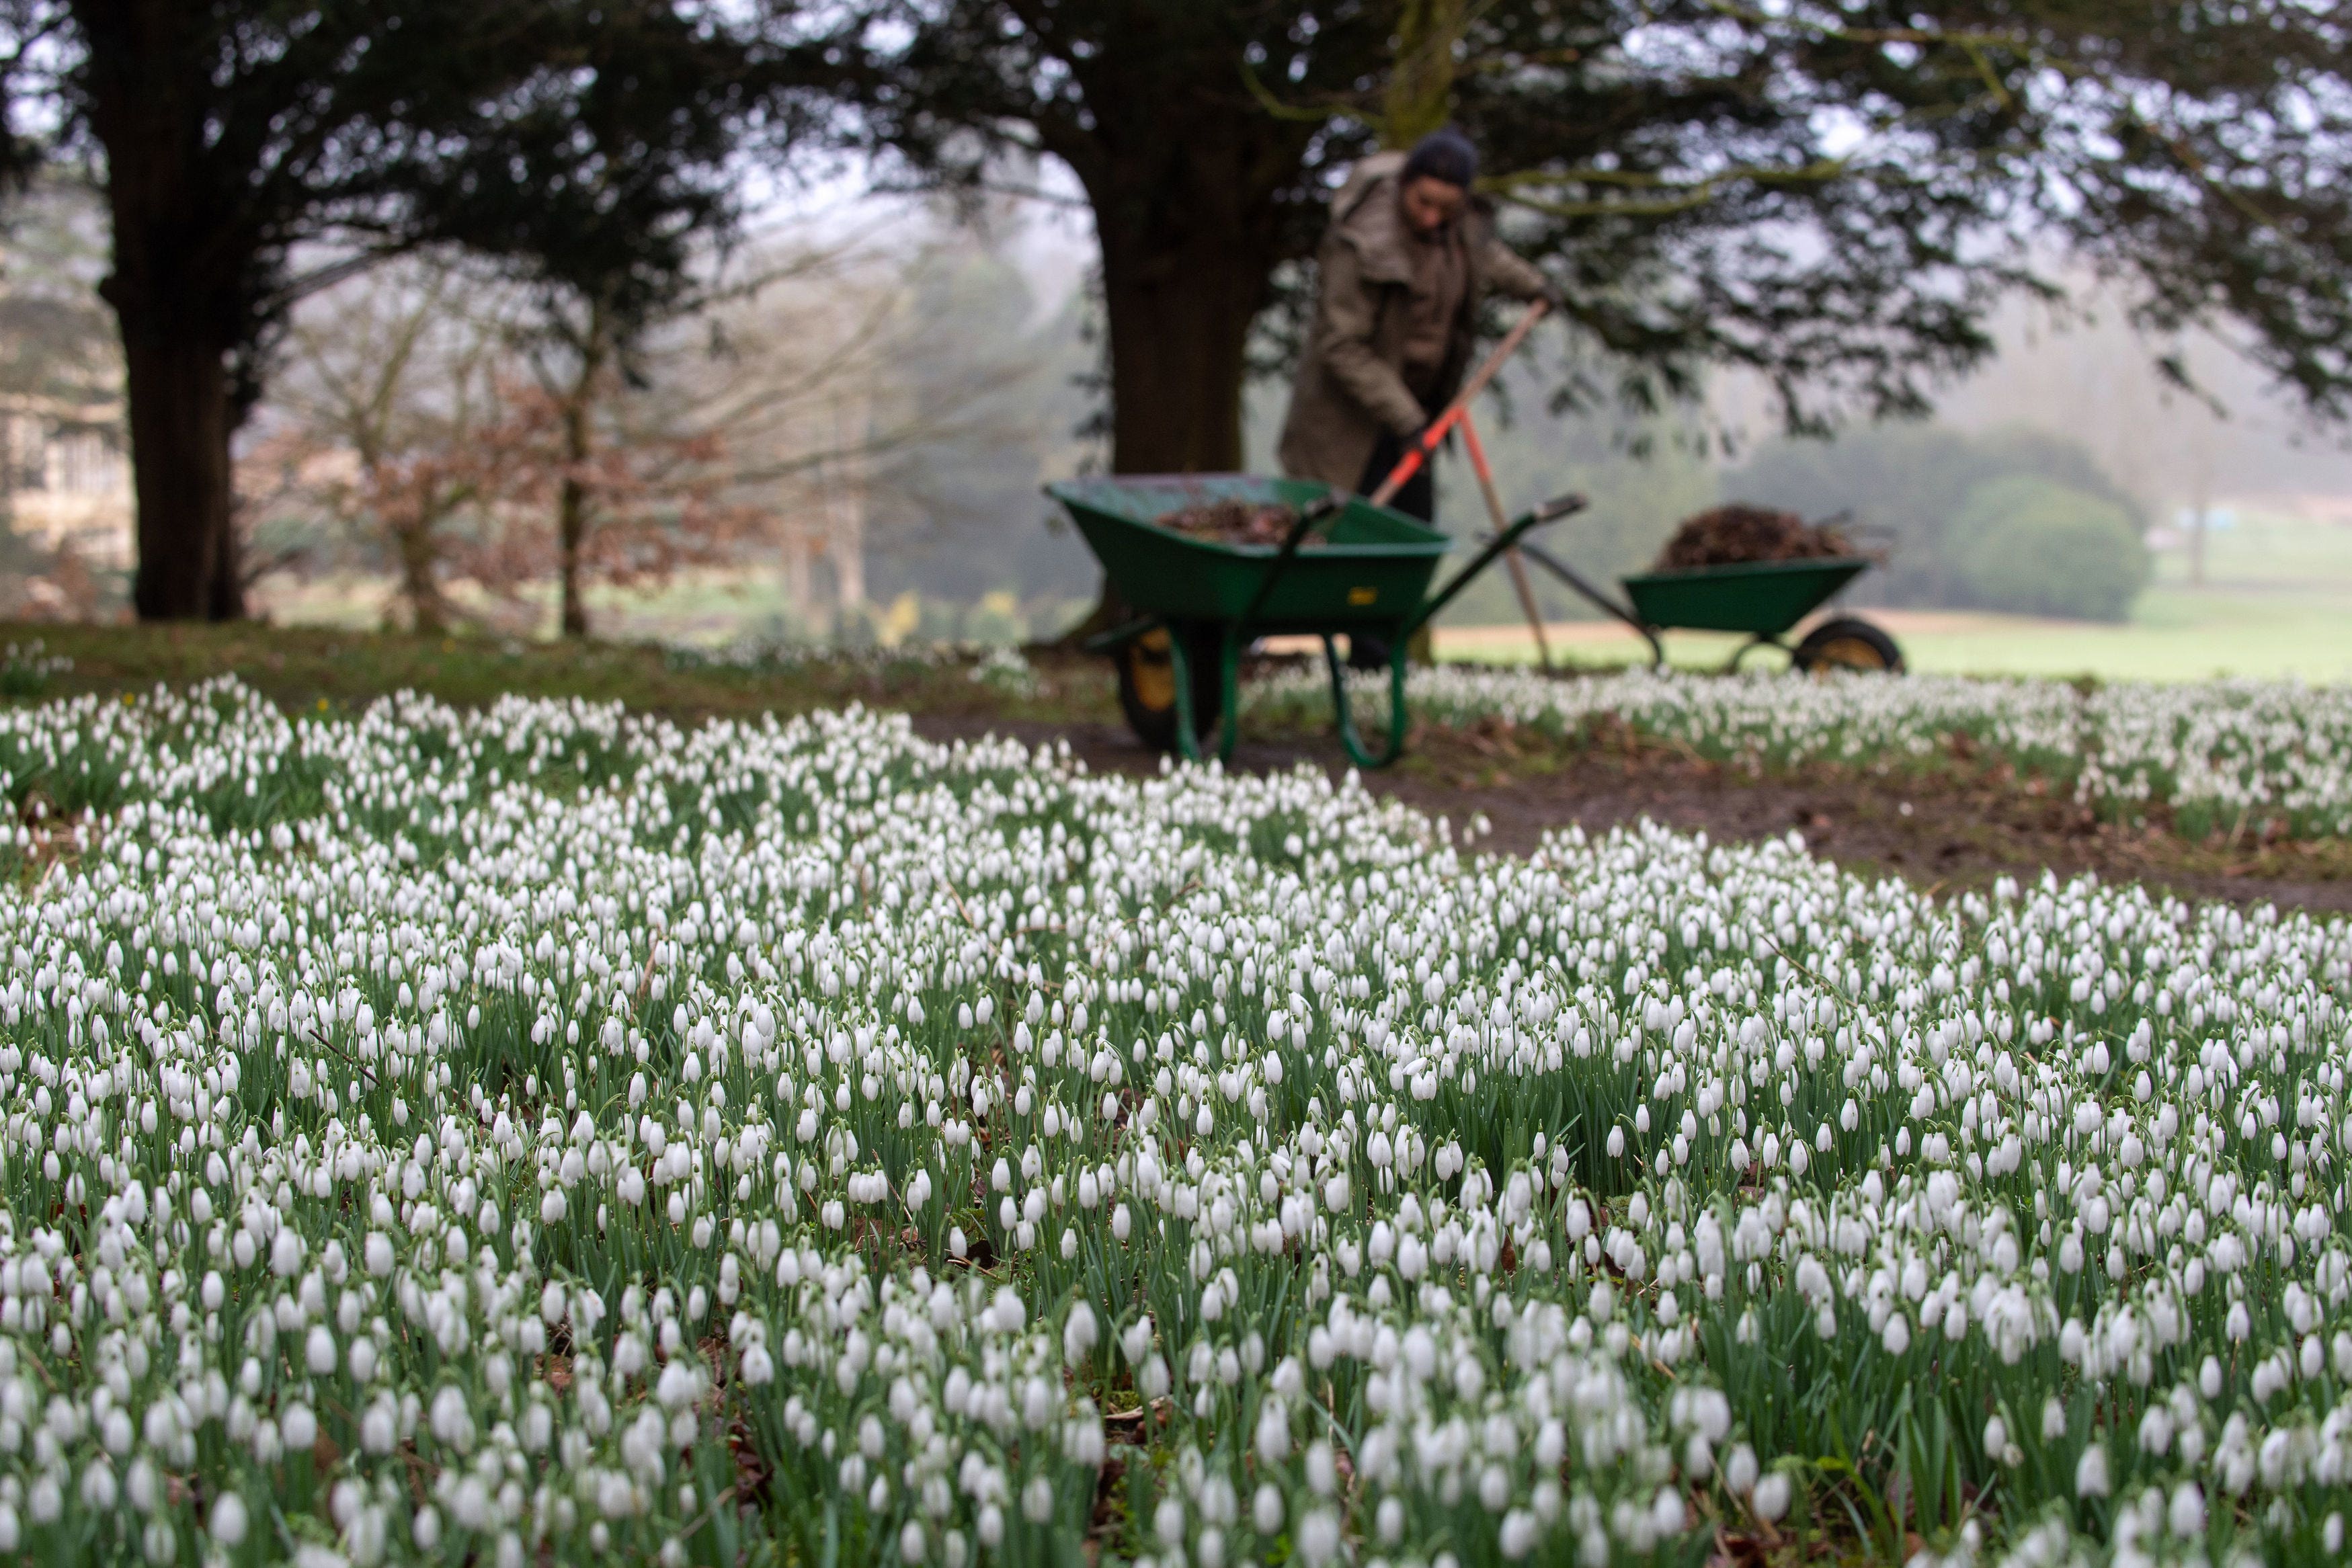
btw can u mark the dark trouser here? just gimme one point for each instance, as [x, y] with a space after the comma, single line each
[1416, 497]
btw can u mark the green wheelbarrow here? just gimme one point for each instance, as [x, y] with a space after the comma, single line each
[1765, 600]
[1197, 604]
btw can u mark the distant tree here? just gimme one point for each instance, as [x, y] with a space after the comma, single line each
[233, 136]
[991, 388]
[57, 340]
[388, 417]
[436, 415]
[1831, 197]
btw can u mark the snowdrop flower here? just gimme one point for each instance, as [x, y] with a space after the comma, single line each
[227, 1522]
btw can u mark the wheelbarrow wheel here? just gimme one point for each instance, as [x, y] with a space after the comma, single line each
[1847, 644]
[1147, 687]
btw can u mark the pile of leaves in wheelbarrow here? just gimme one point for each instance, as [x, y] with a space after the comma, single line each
[1739, 533]
[1237, 522]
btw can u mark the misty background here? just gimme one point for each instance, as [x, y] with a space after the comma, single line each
[873, 393]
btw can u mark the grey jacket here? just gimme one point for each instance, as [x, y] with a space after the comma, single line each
[1350, 387]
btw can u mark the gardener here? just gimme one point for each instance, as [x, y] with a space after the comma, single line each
[1402, 269]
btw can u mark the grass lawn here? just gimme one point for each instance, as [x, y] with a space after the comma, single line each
[311, 666]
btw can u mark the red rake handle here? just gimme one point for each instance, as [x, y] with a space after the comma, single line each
[1439, 428]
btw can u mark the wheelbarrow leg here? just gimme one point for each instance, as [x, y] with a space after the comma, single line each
[1187, 743]
[1229, 684]
[1179, 664]
[1348, 739]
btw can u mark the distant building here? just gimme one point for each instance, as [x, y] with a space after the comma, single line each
[65, 477]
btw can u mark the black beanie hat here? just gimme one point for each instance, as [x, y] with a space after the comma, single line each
[1444, 155]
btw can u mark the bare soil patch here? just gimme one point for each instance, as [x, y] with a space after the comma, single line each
[1942, 831]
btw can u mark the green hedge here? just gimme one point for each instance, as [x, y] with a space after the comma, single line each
[2038, 547]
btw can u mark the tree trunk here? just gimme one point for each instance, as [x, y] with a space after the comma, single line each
[573, 501]
[571, 528]
[1179, 322]
[177, 383]
[182, 257]
[429, 612]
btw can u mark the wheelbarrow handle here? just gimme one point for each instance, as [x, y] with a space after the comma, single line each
[1550, 511]
[1597, 596]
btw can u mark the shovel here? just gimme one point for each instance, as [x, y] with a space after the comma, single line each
[1458, 412]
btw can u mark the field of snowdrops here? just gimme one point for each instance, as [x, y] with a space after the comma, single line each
[546, 1135]
[2222, 755]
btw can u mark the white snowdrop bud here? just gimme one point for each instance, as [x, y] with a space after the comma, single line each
[299, 1427]
[1740, 1468]
[379, 1254]
[2054, 1418]
[318, 1349]
[1273, 1433]
[227, 1521]
[1319, 1537]
[1771, 1498]
[2091, 1472]
[1265, 1510]
[1079, 1334]
[2186, 1512]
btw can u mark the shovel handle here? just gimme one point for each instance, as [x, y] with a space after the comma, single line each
[1437, 429]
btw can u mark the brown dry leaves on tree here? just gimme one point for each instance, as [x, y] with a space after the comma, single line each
[654, 502]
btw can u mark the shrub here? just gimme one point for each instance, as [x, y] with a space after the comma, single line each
[2038, 548]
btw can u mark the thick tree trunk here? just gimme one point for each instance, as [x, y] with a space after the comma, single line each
[1179, 324]
[179, 287]
[180, 418]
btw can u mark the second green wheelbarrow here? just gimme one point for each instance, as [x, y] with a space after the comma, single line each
[1346, 568]
[1765, 600]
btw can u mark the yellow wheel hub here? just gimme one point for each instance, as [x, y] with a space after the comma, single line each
[1152, 671]
[1847, 653]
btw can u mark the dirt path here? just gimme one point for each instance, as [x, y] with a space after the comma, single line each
[1945, 831]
